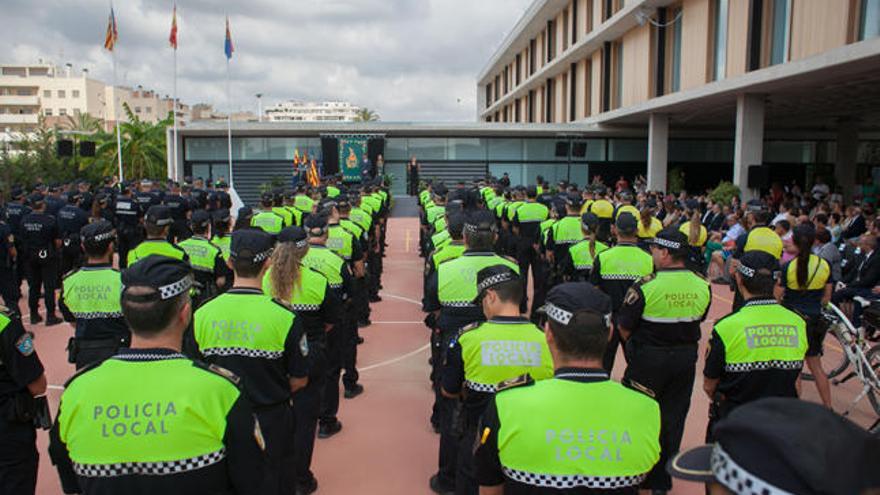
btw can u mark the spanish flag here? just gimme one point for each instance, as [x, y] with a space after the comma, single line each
[112, 33]
[172, 38]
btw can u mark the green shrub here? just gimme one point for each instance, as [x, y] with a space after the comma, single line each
[724, 192]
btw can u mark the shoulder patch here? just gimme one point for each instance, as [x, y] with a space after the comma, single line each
[304, 345]
[638, 387]
[519, 381]
[632, 295]
[468, 328]
[68, 274]
[284, 304]
[25, 344]
[647, 278]
[221, 371]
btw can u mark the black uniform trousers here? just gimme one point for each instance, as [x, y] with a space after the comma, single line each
[335, 342]
[669, 373]
[9, 290]
[526, 257]
[42, 273]
[611, 349]
[542, 286]
[465, 482]
[88, 351]
[129, 238]
[278, 429]
[306, 409]
[18, 453]
[448, 411]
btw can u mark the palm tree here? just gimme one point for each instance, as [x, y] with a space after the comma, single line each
[82, 122]
[366, 115]
[143, 148]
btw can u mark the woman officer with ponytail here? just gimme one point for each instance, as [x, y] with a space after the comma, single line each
[806, 285]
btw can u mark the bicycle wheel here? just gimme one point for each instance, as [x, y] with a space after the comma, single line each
[834, 360]
[873, 357]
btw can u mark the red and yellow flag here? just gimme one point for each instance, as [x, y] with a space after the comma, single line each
[112, 33]
[172, 38]
[315, 180]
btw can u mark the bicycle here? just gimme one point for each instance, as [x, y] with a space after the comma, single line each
[856, 353]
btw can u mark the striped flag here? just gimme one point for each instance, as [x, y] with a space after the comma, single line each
[172, 38]
[228, 44]
[112, 33]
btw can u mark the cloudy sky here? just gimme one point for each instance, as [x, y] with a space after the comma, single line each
[407, 59]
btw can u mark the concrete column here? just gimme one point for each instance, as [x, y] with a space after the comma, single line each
[847, 157]
[658, 145]
[749, 145]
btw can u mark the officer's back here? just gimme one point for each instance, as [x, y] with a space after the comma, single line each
[157, 223]
[185, 428]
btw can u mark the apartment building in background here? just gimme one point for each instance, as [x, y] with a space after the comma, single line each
[302, 111]
[740, 83]
[28, 92]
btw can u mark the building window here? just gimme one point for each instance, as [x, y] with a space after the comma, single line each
[518, 67]
[779, 31]
[532, 49]
[497, 85]
[674, 38]
[488, 95]
[617, 75]
[137, 109]
[75, 93]
[47, 112]
[551, 40]
[869, 19]
[47, 93]
[148, 109]
[76, 111]
[61, 93]
[719, 39]
[565, 30]
[62, 111]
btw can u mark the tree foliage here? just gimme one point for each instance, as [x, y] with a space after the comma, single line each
[366, 115]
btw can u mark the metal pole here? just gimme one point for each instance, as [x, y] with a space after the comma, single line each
[116, 119]
[229, 123]
[176, 175]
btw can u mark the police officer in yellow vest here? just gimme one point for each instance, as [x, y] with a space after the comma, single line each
[262, 341]
[450, 299]
[92, 297]
[527, 227]
[266, 219]
[206, 259]
[615, 271]
[757, 351]
[149, 419]
[505, 346]
[157, 223]
[660, 325]
[578, 432]
[760, 237]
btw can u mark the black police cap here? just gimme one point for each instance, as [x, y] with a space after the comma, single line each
[494, 275]
[440, 190]
[784, 445]
[251, 245]
[573, 200]
[36, 198]
[590, 221]
[316, 225]
[758, 263]
[566, 300]
[672, 239]
[293, 235]
[480, 221]
[221, 215]
[159, 215]
[167, 277]
[267, 197]
[16, 193]
[98, 234]
[626, 223]
[245, 212]
[455, 223]
[200, 218]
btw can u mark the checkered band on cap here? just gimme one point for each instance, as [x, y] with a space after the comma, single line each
[573, 481]
[243, 352]
[480, 387]
[733, 476]
[471, 228]
[557, 314]
[163, 222]
[305, 307]
[104, 236]
[458, 304]
[763, 365]
[161, 468]
[496, 279]
[176, 289]
[666, 243]
[746, 271]
[257, 258]
[301, 244]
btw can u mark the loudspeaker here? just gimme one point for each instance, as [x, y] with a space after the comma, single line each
[65, 147]
[87, 148]
[579, 149]
[562, 149]
[759, 177]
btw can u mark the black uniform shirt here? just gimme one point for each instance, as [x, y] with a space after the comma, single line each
[128, 212]
[39, 232]
[15, 211]
[6, 242]
[54, 204]
[71, 219]
[616, 289]
[179, 206]
[20, 363]
[146, 199]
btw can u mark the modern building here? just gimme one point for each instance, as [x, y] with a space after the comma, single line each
[28, 92]
[302, 111]
[714, 87]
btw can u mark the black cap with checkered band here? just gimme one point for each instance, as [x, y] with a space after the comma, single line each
[98, 234]
[167, 277]
[493, 275]
[672, 239]
[781, 446]
[251, 245]
[565, 300]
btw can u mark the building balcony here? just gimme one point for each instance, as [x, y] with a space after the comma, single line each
[19, 118]
[20, 101]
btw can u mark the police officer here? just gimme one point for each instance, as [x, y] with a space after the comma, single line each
[129, 228]
[578, 265]
[783, 445]
[9, 290]
[757, 351]
[526, 226]
[603, 209]
[180, 208]
[146, 197]
[206, 259]
[261, 340]
[471, 372]
[660, 323]
[615, 270]
[525, 443]
[339, 278]
[23, 406]
[42, 241]
[309, 293]
[565, 232]
[71, 219]
[157, 223]
[760, 237]
[220, 198]
[16, 209]
[266, 219]
[449, 298]
[91, 296]
[186, 428]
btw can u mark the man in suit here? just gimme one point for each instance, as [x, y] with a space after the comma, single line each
[713, 220]
[864, 279]
[855, 226]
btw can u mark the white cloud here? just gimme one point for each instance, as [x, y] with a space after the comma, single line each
[407, 59]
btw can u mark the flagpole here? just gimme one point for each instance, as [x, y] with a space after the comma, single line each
[116, 118]
[174, 110]
[229, 124]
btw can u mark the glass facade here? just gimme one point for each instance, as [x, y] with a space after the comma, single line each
[870, 19]
[720, 40]
[779, 32]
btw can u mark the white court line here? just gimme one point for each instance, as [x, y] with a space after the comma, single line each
[397, 359]
[399, 322]
[392, 296]
[55, 387]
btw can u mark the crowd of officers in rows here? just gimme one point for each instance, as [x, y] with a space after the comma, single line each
[208, 364]
[606, 274]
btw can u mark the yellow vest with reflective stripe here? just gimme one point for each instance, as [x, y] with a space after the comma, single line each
[675, 296]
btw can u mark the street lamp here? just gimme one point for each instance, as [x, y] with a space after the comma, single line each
[259, 107]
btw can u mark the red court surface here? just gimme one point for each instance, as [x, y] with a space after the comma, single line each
[386, 445]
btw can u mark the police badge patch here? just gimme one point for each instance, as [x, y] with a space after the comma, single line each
[258, 435]
[25, 344]
[304, 346]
